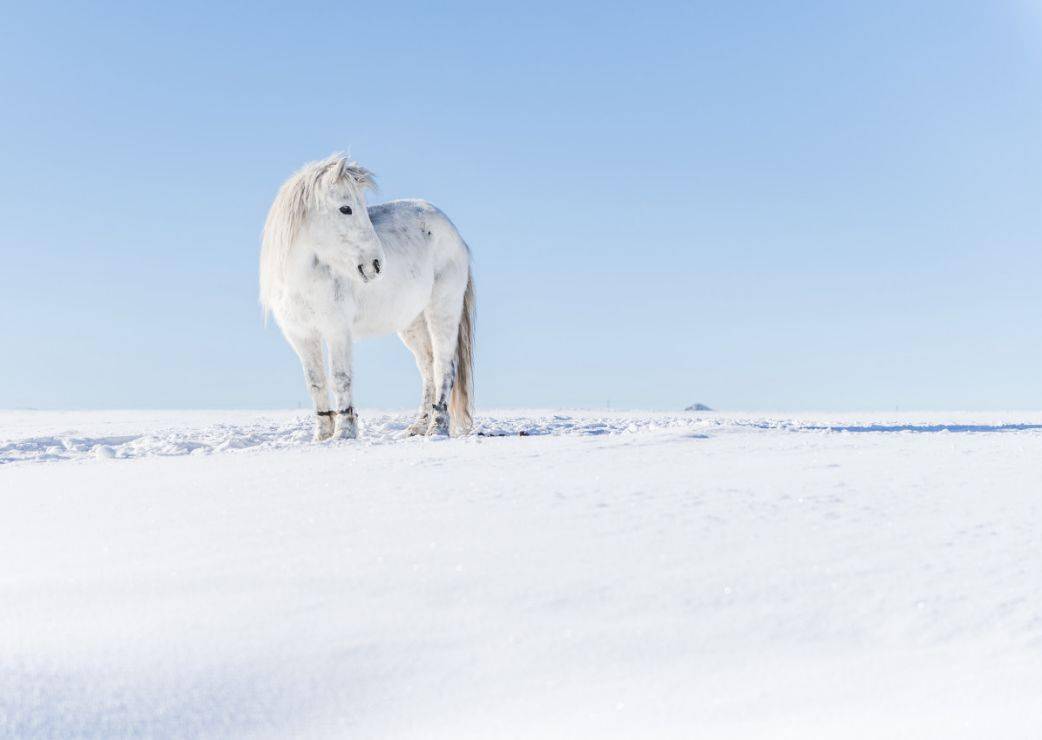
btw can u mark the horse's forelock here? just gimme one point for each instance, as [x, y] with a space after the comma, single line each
[339, 167]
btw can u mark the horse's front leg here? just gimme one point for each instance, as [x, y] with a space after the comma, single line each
[340, 365]
[309, 350]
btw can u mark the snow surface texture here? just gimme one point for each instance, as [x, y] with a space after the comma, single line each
[215, 574]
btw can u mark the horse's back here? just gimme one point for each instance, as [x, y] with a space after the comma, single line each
[416, 220]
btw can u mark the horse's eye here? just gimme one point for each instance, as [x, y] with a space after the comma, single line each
[346, 210]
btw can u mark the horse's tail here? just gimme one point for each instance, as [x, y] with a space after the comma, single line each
[462, 400]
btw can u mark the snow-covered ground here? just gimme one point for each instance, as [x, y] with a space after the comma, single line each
[214, 574]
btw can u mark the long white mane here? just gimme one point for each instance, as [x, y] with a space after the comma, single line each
[295, 199]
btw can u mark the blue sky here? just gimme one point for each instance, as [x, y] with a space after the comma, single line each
[796, 205]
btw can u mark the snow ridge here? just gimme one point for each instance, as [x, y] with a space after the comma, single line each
[373, 430]
[280, 430]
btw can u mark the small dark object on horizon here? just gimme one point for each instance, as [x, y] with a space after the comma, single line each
[698, 407]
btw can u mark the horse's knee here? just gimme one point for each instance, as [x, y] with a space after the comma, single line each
[341, 380]
[316, 386]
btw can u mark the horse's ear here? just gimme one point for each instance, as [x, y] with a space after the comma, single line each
[331, 172]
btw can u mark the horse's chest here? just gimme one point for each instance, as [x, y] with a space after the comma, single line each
[315, 303]
[384, 309]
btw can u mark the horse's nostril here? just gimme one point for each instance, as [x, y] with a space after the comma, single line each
[361, 270]
[376, 266]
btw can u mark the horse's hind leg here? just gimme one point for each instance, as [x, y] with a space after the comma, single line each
[417, 338]
[309, 350]
[443, 317]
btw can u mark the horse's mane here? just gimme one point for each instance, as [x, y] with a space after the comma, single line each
[295, 199]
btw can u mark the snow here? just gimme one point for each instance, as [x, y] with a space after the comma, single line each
[215, 574]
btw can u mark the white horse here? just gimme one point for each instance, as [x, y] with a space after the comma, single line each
[333, 269]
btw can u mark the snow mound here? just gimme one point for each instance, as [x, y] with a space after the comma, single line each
[376, 429]
[281, 430]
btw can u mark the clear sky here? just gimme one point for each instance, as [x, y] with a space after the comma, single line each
[774, 205]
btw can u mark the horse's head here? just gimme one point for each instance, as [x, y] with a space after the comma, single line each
[338, 224]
